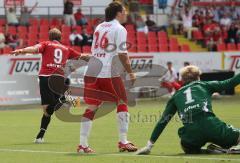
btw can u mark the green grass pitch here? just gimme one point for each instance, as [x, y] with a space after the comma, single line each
[19, 127]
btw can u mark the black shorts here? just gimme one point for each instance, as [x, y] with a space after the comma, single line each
[51, 89]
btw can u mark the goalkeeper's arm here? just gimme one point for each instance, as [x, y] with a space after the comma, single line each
[218, 86]
[168, 113]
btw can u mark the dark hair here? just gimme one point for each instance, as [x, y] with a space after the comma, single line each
[169, 63]
[55, 34]
[112, 10]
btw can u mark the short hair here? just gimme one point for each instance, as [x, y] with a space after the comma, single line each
[55, 34]
[186, 63]
[190, 73]
[112, 10]
[169, 62]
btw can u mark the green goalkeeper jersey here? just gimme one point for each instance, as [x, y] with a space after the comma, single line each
[192, 102]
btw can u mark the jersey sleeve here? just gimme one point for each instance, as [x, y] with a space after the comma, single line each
[167, 115]
[41, 47]
[218, 86]
[121, 40]
[73, 54]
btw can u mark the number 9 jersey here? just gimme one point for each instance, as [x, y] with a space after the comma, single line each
[110, 39]
[54, 57]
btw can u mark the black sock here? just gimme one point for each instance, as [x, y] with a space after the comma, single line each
[44, 124]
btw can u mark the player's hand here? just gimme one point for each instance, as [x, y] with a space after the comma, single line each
[132, 77]
[144, 151]
[17, 52]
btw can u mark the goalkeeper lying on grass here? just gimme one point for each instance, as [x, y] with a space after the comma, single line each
[200, 125]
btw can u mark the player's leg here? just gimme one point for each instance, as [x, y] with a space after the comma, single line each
[91, 83]
[168, 86]
[86, 126]
[122, 115]
[222, 134]
[47, 97]
[176, 85]
[50, 102]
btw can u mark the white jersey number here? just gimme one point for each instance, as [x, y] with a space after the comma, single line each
[58, 54]
[188, 94]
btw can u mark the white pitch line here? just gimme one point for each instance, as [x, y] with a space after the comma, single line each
[125, 155]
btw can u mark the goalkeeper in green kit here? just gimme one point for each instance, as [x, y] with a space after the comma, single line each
[200, 125]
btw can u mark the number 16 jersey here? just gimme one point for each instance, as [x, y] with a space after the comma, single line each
[108, 41]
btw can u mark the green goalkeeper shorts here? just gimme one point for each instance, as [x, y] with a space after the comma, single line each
[208, 130]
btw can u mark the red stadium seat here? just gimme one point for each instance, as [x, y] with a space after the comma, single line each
[65, 36]
[151, 36]
[153, 48]
[132, 49]
[12, 30]
[130, 27]
[162, 34]
[22, 29]
[55, 22]
[185, 48]
[42, 39]
[141, 41]
[78, 28]
[43, 36]
[89, 29]
[152, 41]
[131, 34]
[31, 42]
[221, 47]
[197, 35]
[22, 35]
[33, 22]
[174, 48]
[44, 29]
[173, 41]
[66, 42]
[163, 48]
[33, 29]
[231, 47]
[7, 50]
[141, 35]
[162, 40]
[142, 48]
[32, 35]
[65, 29]
[86, 49]
[2, 22]
[44, 21]
[238, 46]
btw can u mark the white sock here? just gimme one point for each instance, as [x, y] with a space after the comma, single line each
[86, 126]
[149, 144]
[123, 120]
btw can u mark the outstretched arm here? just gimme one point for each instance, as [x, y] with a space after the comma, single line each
[218, 86]
[31, 10]
[31, 49]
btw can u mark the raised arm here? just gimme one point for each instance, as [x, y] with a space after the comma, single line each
[31, 49]
[31, 10]
[218, 86]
